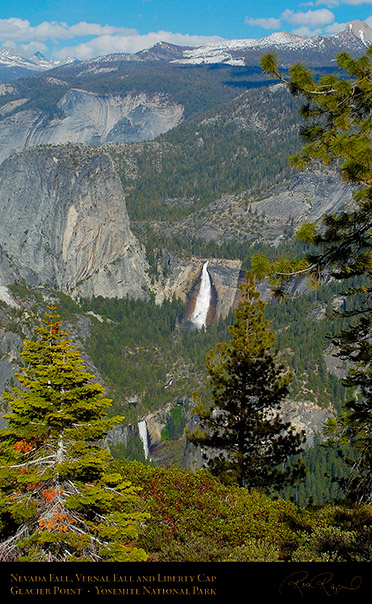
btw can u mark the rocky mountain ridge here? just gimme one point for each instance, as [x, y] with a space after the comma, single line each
[128, 98]
[14, 65]
[65, 226]
[319, 50]
[316, 51]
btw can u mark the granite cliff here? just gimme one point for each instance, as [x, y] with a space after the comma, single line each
[63, 222]
[85, 117]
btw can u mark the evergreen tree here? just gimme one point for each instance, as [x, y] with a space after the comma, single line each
[243, 429]
[355, 425]
[59, 498]
[338, 133]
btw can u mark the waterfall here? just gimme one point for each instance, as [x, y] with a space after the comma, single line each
[203, 300]
[142, 429]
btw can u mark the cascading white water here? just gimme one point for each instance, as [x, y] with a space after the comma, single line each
[203, 300]
[142, 430]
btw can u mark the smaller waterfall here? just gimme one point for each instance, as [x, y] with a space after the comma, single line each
[203, 300]
[142, 430]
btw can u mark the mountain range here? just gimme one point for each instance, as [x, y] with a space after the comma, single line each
[121, 176]
[318, 51]
[15, 65]
[136, 97]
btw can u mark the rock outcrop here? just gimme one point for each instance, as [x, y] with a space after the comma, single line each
[272, 217]
[182, 276]
[64, 223]
[85, 117]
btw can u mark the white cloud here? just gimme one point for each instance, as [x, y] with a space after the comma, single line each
[20, 30]
[335, 28]
[309, 23]
[32, 47]
[102, 45]
[331, 3]
[104, 39]
[306, 31]
[356, 2]
[270, 23]
[316, 18]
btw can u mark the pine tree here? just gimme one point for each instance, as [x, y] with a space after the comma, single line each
[338, 133]
[59, 498]
[355, 426]
[242, 433]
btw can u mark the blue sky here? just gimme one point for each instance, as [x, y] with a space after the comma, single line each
[89, 28]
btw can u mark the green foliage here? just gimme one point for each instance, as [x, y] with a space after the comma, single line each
[269, 64]
[139, 345]
[306, 233]
[175, 424]
[342, 533]
[58, 498]
[196, 518]
[205, 158]
[339, 132]
[355, 423]
[134, 359]
[247, 442]
[132, 451]
[303, 327]
[327, 470]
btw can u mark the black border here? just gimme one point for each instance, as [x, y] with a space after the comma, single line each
[138, 582]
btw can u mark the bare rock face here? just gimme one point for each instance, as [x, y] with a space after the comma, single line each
[183, 276]
[308, 196]
[93, 119]
[64, 223]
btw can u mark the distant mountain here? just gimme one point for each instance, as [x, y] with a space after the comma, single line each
[163, 51]
[14, 65]
[317, 51]
[107, 219]
[135, 97]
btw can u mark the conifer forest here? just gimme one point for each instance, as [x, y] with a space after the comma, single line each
[134, 427]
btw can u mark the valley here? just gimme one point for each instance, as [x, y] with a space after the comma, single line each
[128, 182]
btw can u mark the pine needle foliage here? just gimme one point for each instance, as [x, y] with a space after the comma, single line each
[59, 500]
[338, 133]
[242, 432]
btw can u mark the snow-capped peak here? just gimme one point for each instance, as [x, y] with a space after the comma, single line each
[36, 62]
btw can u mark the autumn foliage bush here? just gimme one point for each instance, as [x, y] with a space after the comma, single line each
[196, 518]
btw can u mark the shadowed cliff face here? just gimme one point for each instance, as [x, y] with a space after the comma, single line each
[63, 222]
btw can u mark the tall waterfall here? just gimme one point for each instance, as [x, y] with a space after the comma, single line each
[203, 300]
[142, 429]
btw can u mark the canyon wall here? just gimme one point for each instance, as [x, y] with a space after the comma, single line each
[64, 223]
[94, 119]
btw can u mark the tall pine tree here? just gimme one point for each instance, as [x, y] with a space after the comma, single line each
[338, 133]
[59, 499]
[242, 432]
